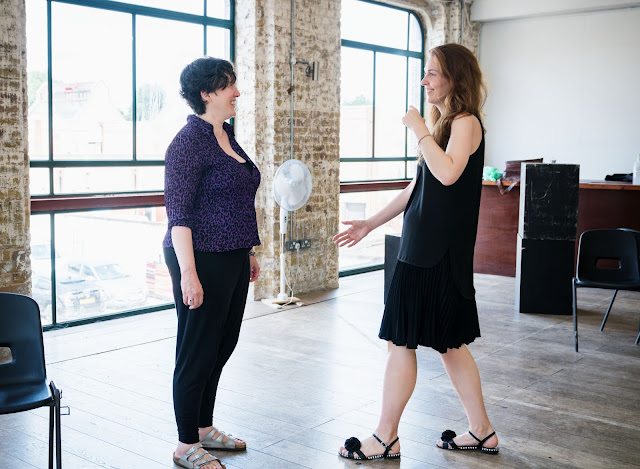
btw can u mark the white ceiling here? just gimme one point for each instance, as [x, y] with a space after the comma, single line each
[485, 11]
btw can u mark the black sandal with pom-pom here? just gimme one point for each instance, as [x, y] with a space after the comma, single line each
[448, 443]
[352, 445]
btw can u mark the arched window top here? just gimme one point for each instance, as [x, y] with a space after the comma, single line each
[383, 25]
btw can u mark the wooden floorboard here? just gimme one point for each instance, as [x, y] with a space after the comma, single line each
[305, 378]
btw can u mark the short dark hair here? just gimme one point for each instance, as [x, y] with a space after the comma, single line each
[205, 74]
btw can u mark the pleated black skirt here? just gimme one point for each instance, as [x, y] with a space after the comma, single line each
[425, 308]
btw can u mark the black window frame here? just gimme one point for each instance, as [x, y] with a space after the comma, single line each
[352, 186]
[376, 49]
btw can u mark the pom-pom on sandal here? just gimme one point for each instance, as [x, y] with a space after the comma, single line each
[352, 445]
[448, 443]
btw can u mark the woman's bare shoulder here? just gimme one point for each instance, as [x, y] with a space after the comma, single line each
[465, 121]
[465, 116]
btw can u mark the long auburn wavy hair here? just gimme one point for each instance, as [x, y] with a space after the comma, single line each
[468, 90]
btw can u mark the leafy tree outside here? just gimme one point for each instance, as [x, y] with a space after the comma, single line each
[34, 80]
[360, 100]
[150, 100]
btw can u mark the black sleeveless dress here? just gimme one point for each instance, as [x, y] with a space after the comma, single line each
[431, 300]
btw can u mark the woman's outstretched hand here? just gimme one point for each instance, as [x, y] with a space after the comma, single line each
[352, 235]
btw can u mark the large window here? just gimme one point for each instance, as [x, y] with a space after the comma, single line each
[382, 63]
[106, 262]
[103, 106]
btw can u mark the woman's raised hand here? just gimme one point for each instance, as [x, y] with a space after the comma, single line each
[352, 235]
[414, 121]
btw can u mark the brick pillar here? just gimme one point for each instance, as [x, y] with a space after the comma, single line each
[262, 50]
[451, 26]
[14, 163]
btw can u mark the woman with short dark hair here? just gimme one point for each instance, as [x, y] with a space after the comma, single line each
[210, 189]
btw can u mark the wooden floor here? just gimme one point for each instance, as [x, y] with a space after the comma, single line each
[304, 379]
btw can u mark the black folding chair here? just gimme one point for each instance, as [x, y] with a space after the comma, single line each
[636, 233]
[607, 259]
[23, 379]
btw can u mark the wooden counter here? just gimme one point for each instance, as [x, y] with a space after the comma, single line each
[601, 205]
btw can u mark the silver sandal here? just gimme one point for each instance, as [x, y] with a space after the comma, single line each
[209, 442]
[197, 462]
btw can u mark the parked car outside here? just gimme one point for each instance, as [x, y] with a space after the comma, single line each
[76, 297]
[123, 290]
[41, 259]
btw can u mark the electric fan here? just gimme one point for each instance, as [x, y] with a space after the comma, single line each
[291, 189]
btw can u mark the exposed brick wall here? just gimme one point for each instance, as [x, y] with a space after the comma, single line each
[262, 48]
[452, 26]
[316, 136]
[14, 164]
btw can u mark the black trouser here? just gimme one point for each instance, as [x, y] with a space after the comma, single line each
[207, 335]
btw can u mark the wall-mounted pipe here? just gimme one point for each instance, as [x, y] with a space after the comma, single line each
[292, 62]
[311, 72]
[461, 21]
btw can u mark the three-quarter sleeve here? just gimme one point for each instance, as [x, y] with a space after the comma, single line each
[182, 176]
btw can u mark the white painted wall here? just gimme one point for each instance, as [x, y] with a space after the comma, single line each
[564, 87]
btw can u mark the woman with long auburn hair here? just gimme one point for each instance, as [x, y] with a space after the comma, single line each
[431, 300]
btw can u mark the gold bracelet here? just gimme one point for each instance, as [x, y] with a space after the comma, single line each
[423, 137]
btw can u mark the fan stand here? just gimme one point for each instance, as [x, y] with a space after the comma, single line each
[282, 299]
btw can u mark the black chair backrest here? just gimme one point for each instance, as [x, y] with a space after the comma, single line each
[21, 332]
[599, 245]
[636, 233]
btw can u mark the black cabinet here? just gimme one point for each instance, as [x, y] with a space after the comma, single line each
[544, 268]
[547, 226]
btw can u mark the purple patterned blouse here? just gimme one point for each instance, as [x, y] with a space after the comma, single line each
[209, 191]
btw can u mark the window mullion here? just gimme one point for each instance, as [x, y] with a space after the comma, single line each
[373, 110]
[52, 230]
[50, 96]
[134, 97]
[406, 96]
